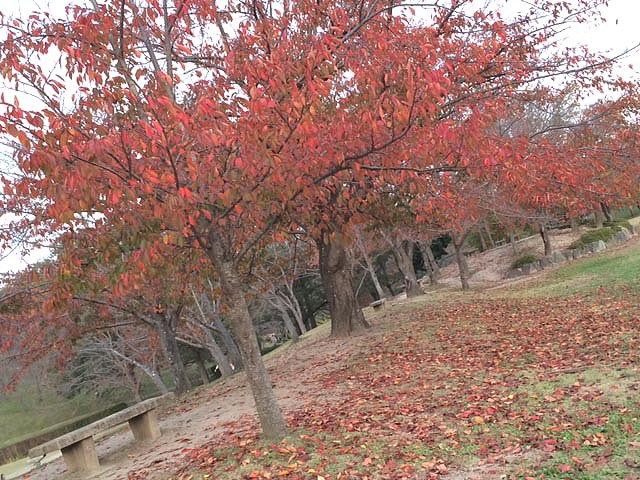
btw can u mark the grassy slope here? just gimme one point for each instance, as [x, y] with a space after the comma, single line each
[26, 412]
[540, 381]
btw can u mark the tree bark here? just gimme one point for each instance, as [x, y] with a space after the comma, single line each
[487, 230]
[166, 324]
[202, 368]
[463, 266]
[269, 413]
[222, 361]
[546, 239]
[289, 325]
[370, 267]
[228, 342]
[606, 211]
[346, 315]
[575, 226]
[218, 355]
[153, 375]
[514, 244]
[483, 242]
[430, 262]
[403, 253]
[599, 218]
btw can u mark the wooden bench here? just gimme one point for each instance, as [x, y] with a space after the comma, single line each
[78, 447]
[378, 304]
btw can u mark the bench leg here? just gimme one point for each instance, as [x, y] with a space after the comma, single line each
[81, 456]
[145, 426]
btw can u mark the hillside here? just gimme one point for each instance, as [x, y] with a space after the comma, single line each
[523, 381]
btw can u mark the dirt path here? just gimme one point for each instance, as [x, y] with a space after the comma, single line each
[490, 268]
[202, 415]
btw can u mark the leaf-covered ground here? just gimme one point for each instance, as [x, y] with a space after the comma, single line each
[540, 381]
[476, 388]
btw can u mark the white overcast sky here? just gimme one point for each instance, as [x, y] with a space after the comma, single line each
[620, 32]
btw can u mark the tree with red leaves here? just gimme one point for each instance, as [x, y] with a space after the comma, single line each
[224, 124]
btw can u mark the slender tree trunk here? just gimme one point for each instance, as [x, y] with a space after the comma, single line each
[152, 373]
[599, 218]
[289, 325]
[463, 266]
[166, 324]
[202, 368]
[514, 244]
[335, 271]
[403, 253]
[287, 304]
[300, 322]
[227, 339]
[370, 267]
[430, 262]
[575, 226]
[271, 418]
[229, 343]
[222, 361]
[606, 211]
[483, 242]
[385, 276]
[546, 239]
[487, 230]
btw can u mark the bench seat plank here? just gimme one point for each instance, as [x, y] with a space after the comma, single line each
[138, 410]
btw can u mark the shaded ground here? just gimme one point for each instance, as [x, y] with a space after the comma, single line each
[422, 396]
[208, 412]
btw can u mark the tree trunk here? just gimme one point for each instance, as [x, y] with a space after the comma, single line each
[222, 361]
[289, 325]
[599, 218]
[487, 230]
[269, 413]
[166, 323]
[430, 262]
[370, 267]
[463, 266]
[206, 327]
[152, 372]
[202, 368]
[403, 253]
[606, 211]
[514, 244]
[546, 239]
[575, 226]
[229, 343]
[227, 340]
[483, 242]
[384, 276]
[346, 315]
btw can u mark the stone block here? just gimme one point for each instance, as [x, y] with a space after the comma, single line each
[81, 456]
[145, 426]
[558, 257]
[595, 247]
[622, 236]
[515, 273]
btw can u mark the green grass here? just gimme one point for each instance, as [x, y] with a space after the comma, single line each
[27, 412]
[606, 269]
